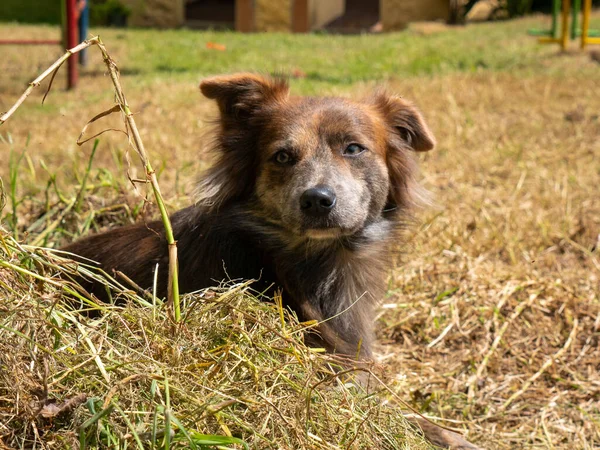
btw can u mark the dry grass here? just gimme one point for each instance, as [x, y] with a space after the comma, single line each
[511, 255]
[232, 368]
[492, 320]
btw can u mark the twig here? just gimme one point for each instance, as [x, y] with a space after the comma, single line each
[142, 292]
[35, 83]
[544, 367]
[122, 105]
[173, 289]
[95, 352]
[441, 336]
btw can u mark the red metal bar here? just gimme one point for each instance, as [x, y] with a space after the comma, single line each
[72, 33]
[32, 42]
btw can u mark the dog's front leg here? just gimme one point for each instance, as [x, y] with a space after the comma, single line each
[348, 333]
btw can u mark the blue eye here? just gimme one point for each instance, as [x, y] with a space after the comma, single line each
[283, 157]
[354, 150]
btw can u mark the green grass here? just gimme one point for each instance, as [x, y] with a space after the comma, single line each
[334, 60]
[31, 11]
[339, 60]
[231, 376]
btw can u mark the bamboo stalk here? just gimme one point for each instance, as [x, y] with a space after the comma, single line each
[173, 288]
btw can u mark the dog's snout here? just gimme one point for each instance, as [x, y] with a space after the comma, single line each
[318, 201]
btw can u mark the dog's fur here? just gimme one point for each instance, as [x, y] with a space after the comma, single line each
[251, 220]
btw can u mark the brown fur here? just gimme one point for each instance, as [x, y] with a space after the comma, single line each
[250, 220]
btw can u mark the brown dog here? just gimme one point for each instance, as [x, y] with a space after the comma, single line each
[306, 194]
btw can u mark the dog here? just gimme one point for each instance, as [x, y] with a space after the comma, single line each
[306, 195]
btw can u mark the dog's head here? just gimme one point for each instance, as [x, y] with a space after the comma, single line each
[318, 167]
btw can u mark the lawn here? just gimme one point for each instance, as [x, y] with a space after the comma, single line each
[491, 323]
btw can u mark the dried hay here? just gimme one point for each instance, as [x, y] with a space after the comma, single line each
[130, 377]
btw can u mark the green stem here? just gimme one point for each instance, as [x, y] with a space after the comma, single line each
[139, 147]
[85, 177]
[173, 291]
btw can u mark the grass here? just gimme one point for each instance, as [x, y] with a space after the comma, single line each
[233, 374]
[31, 11]
[492, 318]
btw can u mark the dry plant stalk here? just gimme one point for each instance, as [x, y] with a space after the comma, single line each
[138, 145]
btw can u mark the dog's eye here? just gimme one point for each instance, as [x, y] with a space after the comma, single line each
[283, 157]
[354, 150]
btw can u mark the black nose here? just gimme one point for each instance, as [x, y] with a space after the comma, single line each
[317, 201]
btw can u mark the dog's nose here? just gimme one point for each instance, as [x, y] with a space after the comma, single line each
[317, 201]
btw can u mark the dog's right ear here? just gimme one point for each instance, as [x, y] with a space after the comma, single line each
[242, 100]
[241, 94]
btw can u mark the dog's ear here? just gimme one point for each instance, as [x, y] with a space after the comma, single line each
[407, 133]
[245, 102]
[241, 94]
[406, 121]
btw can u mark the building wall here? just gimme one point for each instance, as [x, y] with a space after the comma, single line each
[273, 15]
[397, 14]
[156, 13]
[322, 12]
[276, 15]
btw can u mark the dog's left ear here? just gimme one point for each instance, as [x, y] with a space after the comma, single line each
[241, 94]
[406, 121]
[407, 133]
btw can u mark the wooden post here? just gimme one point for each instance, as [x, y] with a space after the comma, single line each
[564, 38]
[71, 35]
[300, 16]
[585, 24]
[244, 16]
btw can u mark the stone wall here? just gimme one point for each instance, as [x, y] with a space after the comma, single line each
[397, 14]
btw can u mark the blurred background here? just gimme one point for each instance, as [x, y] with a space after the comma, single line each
[492, 317]
[277, 15]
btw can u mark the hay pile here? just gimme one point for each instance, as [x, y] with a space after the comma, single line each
[235, 371]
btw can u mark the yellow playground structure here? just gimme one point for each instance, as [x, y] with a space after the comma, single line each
[586, 35]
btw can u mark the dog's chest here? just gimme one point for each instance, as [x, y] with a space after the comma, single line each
[335, 281]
